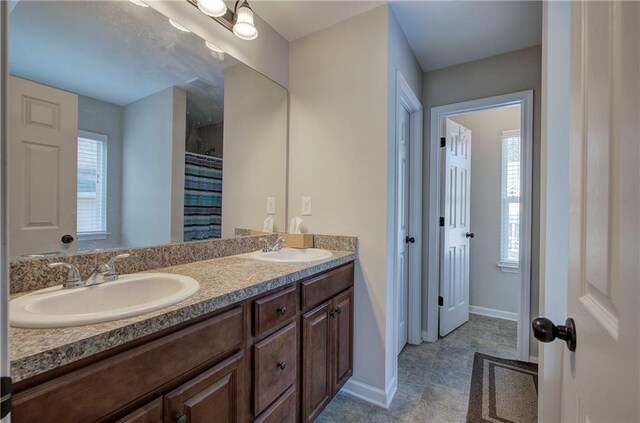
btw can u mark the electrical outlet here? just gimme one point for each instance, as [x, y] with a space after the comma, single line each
[271, 205]
[306, 206]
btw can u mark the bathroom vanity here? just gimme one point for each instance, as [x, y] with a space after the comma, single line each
[277, 355]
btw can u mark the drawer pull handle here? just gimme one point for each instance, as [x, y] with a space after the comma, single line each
[180, 418]
[282, 365]
[334, 313]
[282, 310]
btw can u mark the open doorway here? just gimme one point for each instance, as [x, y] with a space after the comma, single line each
[482, 207]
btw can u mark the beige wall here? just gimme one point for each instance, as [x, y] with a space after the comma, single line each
[506, 73]
[153, 169]
[255, 150]
[489, 287]
[340, 82]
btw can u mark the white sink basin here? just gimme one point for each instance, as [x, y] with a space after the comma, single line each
[293, 255]
[129, 296]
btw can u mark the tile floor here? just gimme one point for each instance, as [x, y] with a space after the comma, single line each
[433, 378]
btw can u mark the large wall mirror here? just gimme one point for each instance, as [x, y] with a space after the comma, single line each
[127, 130]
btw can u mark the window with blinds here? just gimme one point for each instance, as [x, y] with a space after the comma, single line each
[92, 185]
[510, 215]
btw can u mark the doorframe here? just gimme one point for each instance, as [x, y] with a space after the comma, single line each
[438, 114]
[406, 98]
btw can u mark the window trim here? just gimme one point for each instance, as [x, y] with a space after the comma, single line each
[97, 235]
[508, 266]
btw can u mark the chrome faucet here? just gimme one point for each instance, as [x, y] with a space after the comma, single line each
[277, 244]
[105, 272]
[73, 277]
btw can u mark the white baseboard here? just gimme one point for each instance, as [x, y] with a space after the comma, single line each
[425, 337]
[371, 394]
[490, 312]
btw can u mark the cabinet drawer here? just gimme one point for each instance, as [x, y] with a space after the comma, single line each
[274, 366]
[315, 291]
[274, 310]
[150, 413]
[282, 411]
[100, 389]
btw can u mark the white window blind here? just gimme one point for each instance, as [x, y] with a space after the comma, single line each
[92, 185]
[510, 216]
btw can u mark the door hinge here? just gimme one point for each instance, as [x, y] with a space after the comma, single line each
[442, 222]
[440, 301]
[5, 396]
[443, 142]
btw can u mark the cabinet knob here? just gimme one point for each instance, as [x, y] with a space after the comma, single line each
[282, 310]
[180, 418]
[282, 365]
[338, 310]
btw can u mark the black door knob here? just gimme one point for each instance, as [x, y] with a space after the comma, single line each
[545, 331]
[410, 240]
[470, 235]
[66, 239]
[180, 418]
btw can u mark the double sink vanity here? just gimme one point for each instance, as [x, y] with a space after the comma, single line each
[259, 336]
[140, 158]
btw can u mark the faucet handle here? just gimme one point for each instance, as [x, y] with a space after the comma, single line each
[111, 264]
[73, 277]
[113, 260]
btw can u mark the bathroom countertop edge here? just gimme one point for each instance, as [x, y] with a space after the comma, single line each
[223, 281]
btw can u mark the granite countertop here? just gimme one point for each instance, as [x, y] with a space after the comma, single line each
[223, 281]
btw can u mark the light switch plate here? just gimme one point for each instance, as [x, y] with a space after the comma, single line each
[271, 205]
[306, 206]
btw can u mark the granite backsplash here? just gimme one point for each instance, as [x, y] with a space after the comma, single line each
[32, 273]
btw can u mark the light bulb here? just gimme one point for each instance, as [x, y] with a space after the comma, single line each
[215, 8]
[176, 25]
[244, 27]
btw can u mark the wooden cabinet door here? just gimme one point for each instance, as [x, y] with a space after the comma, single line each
[316, 361]
[150, 413]
[214, 396]
[275, 366]
[342, 316]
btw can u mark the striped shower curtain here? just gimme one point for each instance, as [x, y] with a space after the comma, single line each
[202, 197]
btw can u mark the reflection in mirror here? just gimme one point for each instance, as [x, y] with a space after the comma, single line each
[127, 130]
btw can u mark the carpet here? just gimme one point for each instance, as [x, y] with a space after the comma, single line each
[503, 391]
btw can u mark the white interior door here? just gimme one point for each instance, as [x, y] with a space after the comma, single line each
[42, 174]
[454, 267]
[402, 193]
[602, 378]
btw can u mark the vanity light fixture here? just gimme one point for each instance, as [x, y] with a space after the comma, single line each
[213, 8]
[177, 26]
[240, 21]
[244, 27]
